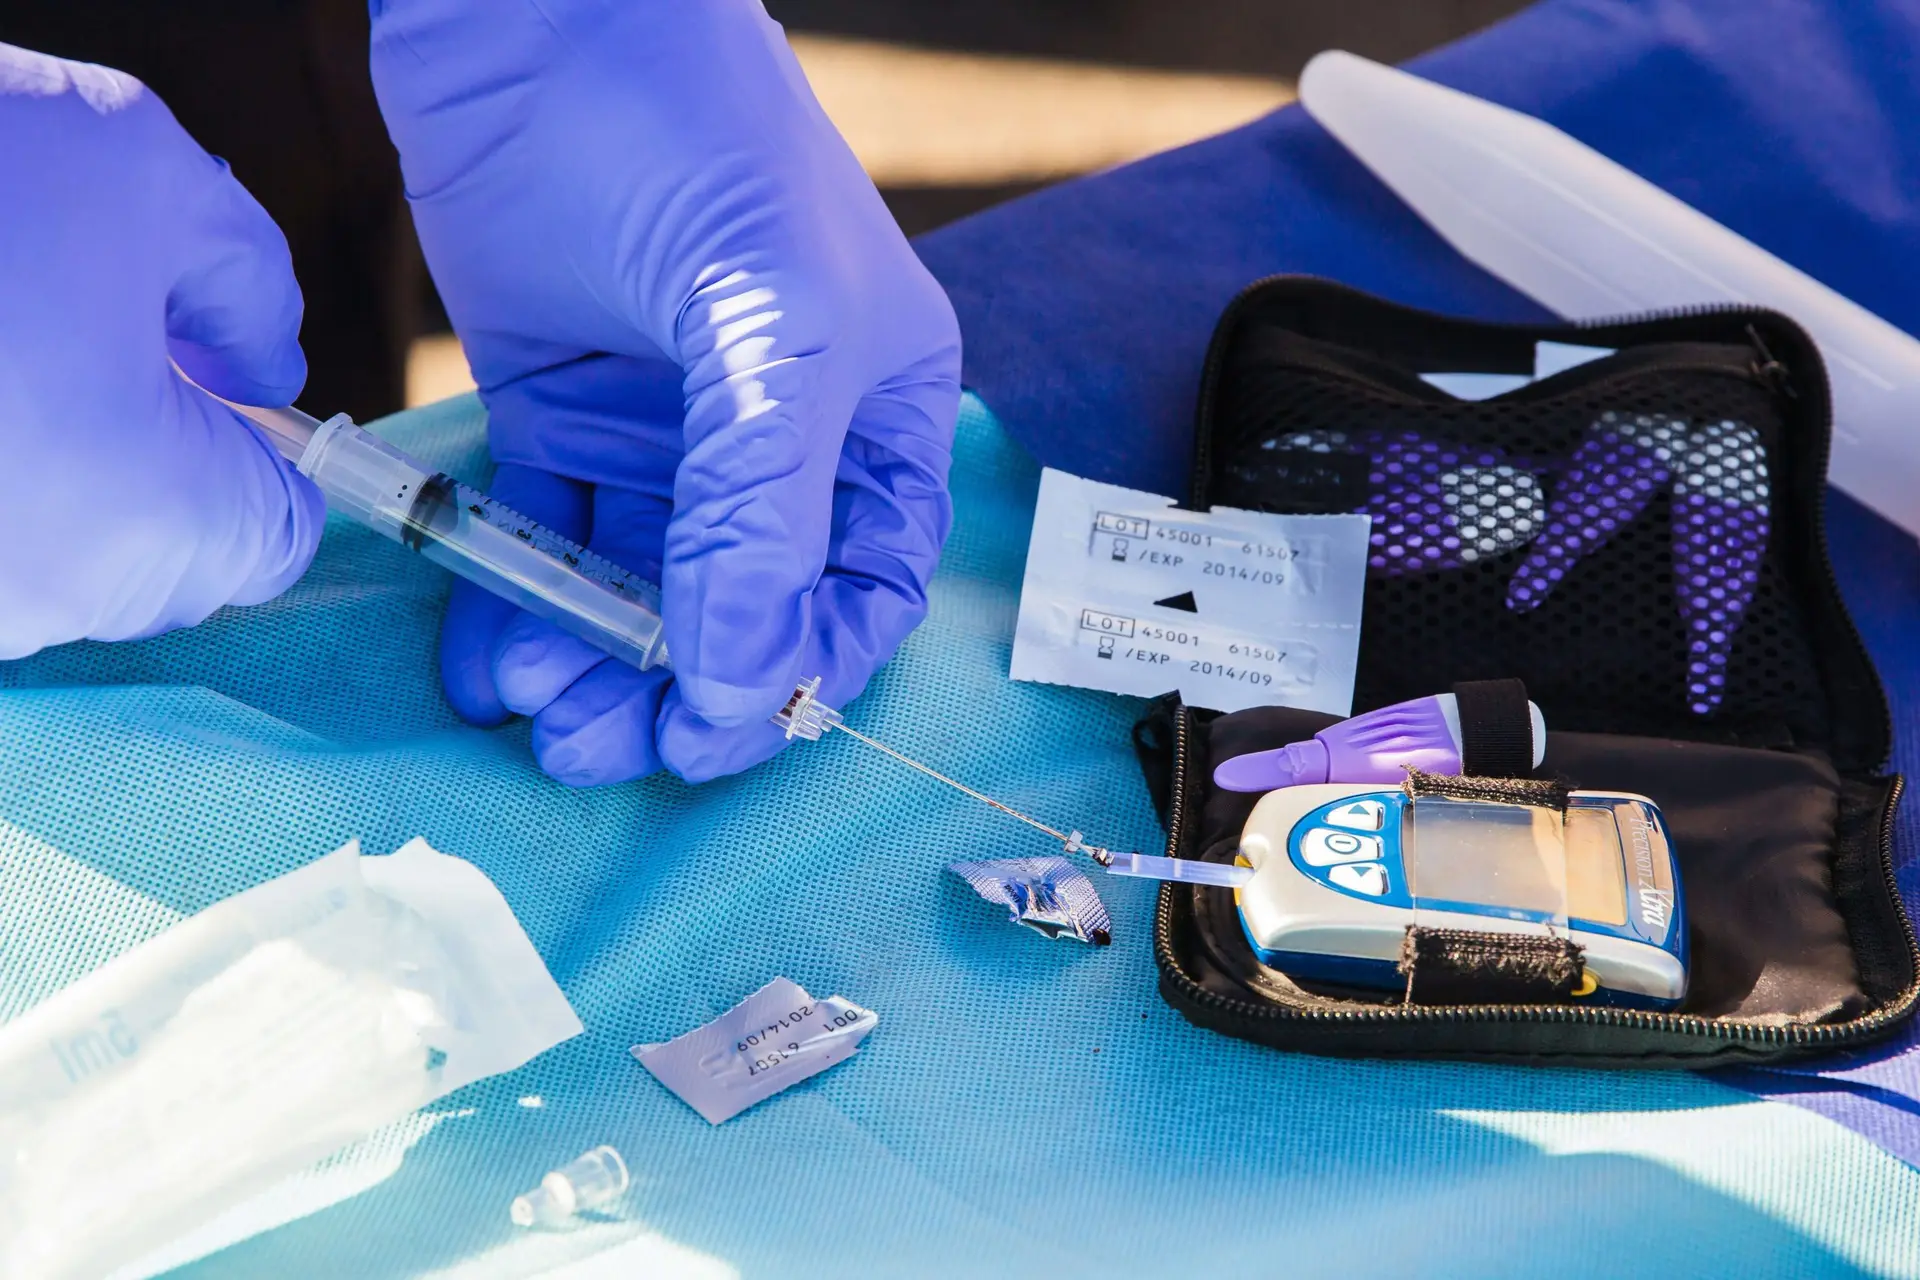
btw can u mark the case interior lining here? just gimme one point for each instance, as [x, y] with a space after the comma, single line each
[1752, 833]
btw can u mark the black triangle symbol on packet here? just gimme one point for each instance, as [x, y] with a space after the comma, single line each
[1182, 601]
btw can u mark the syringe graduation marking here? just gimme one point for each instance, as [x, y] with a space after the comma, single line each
[442, 491]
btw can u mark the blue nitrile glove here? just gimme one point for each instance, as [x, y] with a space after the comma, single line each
[704, 347]
[130, 502]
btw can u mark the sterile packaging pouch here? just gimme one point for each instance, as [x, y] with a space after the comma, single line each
[250, 1040]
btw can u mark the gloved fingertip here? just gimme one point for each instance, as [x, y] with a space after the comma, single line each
[602, 730]
[723, 705]
[474, 618]
[534, 662]
[233, 312]
[306, 521]
[292, 513]
[567, 764]
[572, 766]
[271, 377]
[697, 751]
[288, 550]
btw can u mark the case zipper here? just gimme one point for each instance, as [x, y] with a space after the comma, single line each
[1823, 1036]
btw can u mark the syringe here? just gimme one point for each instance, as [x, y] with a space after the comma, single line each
[491, 545]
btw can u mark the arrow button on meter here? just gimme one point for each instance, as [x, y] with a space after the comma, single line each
[1361, 815]
[1370, 880]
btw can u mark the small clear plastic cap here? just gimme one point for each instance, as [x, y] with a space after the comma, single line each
[591, 1182]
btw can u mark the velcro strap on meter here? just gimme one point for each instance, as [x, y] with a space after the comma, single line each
[1541, 793]
[1496, 728]
[1466, 966]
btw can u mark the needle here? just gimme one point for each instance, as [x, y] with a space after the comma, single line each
[1072, 843]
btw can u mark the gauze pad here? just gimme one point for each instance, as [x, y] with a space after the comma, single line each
[250, 1040]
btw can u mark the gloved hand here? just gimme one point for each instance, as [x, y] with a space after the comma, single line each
[131, 502]
[705, 350]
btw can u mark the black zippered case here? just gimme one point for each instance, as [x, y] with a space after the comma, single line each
[1641, 540]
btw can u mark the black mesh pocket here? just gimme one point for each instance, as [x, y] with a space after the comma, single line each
[1607, 535]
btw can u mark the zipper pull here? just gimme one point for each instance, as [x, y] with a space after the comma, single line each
[1769, 370]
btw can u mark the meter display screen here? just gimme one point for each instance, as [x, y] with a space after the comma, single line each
[1518, 859]
[1502, 856]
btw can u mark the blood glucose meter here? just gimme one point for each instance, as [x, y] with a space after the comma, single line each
[1341, 871]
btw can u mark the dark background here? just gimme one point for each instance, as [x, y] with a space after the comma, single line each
[1262, 37]
[280, 89]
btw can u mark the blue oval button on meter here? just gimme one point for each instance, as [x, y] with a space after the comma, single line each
[1341, 871]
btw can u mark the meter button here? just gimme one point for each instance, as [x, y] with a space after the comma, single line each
[1370, 880]
[1323, 847]
[1361, 815]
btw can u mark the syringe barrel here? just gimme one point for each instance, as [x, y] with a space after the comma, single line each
[461, 529]
[364, 477]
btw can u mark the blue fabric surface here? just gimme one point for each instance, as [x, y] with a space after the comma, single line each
[1025, 1107]
[1086, 308]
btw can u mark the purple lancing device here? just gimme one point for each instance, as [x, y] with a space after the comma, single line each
[1379, 746]
[1438, 506]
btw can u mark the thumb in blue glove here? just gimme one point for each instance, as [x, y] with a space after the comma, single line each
[130, 501]
[705, 350]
